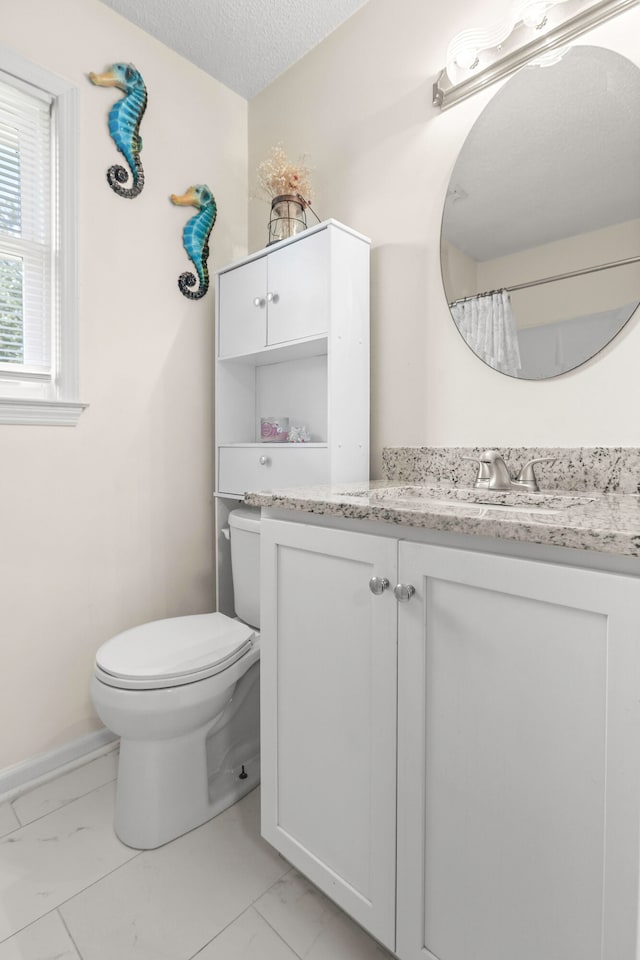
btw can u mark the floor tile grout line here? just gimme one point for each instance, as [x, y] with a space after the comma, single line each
[13, 830]
[262, 917]
[74, 895]
[275, 929]
[380, 946]
[52, 780]
[66, 769]
[124, 864]
[55, 809]
[209, 942]
[250, 906]
[26, 926]
[58, 907]
[69, 934]
[104, 876]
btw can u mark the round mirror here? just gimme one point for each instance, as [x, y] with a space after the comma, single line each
[540, 243]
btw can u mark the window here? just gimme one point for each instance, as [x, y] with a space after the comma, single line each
[38, 283]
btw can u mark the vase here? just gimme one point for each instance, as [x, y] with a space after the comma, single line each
[287, 217]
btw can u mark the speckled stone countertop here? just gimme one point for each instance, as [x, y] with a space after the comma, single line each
[574, 517]
[605, 523]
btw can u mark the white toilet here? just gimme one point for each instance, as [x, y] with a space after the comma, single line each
[184, 697]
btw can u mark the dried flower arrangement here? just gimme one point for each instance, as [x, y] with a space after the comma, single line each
[278, 176]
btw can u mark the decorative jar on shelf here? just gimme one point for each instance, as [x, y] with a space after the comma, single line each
[287, 217]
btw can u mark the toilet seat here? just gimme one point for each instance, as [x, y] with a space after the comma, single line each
[173, 652]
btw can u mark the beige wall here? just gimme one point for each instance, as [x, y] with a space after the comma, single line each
[459, 272]
[360, 106]
[551, 302]
[108, 524]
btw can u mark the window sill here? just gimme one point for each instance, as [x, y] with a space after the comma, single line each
[52, 413]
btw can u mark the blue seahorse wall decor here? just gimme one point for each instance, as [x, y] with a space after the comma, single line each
[125, 117]
[195, 237]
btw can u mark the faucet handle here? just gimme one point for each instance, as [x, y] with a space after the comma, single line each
[493, 473]
[484, 472]
[527, 473]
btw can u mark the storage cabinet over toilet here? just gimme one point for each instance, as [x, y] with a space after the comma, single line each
[293, 341]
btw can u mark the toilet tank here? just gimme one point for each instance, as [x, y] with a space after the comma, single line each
[244, 527]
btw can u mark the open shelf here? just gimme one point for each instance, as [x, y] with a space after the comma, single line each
[273, 446]
[280, 352]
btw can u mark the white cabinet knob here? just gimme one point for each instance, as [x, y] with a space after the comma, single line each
[378, 585]
[403, 591]
[273, 297]
[259, 302]
[264, 461]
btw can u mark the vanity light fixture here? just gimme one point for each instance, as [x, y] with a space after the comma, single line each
[534, 28]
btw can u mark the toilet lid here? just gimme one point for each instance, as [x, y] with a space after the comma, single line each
[178, 649]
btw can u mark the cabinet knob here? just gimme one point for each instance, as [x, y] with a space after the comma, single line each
[403, 591]
[259, 302]
[378, 585]
[273, 297]
[264, 461]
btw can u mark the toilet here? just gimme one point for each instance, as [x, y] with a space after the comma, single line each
[183, 695]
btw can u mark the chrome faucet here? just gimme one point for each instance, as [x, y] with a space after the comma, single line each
[494, 475]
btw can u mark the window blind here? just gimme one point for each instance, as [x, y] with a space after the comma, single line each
[26, 178]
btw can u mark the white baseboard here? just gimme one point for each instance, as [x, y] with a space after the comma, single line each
[31, 773]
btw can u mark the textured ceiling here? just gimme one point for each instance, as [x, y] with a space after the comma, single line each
[244, 44]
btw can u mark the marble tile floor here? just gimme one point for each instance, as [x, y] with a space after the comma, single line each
[69, 890]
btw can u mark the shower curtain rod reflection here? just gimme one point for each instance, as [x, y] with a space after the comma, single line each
[559, 276]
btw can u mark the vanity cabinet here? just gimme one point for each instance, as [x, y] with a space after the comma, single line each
[293, 341]
[518, 772]
[513, 743]
[328, 726]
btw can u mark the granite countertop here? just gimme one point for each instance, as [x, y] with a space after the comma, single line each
[583, 520]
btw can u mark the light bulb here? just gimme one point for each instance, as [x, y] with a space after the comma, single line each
[535, 15]
[468, 58]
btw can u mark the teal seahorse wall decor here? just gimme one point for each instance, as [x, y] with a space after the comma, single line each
[124, 125]
[195, 237]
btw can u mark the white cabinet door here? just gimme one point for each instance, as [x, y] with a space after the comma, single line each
[281, 297]
[299, 280]
[242, 308]
[328, 704]
[518, 767]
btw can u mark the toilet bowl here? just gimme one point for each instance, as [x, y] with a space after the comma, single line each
[183, 696]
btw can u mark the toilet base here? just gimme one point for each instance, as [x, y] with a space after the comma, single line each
[167, 787]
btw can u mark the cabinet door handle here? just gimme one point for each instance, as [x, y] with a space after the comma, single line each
[273, 297]
[263, 461]
[403, 591]
[378, 585]
[259, 302]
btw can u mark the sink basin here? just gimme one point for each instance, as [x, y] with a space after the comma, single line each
[440, 495]
[477, 509]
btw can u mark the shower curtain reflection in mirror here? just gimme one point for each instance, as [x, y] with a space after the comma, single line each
[487, 324]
